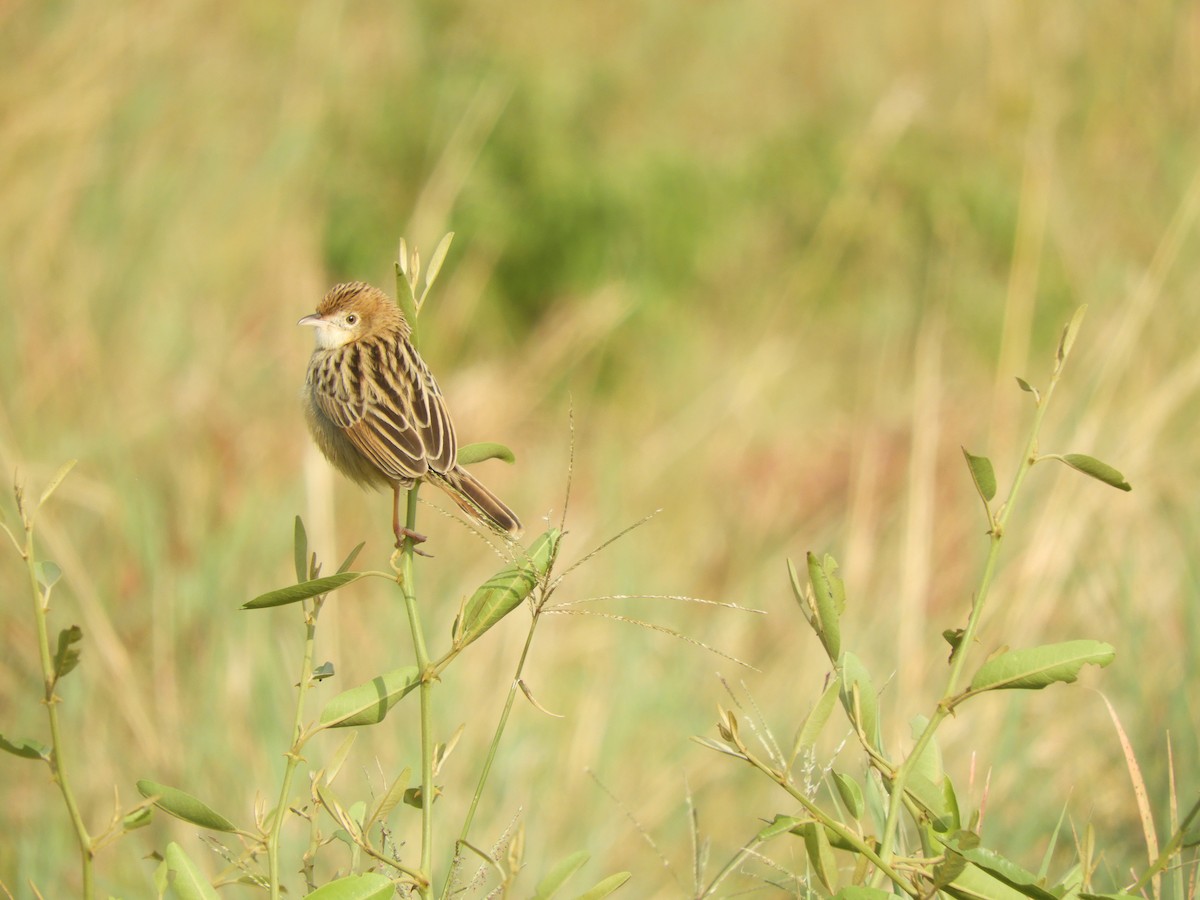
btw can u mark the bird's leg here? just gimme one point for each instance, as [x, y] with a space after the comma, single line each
[402, 531]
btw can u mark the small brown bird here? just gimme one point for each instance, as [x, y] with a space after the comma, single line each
[376, 412]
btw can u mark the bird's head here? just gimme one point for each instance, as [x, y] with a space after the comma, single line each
[353, 311]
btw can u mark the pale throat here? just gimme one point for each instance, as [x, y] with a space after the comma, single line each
[330, 336]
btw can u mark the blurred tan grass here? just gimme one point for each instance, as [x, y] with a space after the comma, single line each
[782, 261]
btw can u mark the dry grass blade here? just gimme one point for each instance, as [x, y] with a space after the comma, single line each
[1139, 792]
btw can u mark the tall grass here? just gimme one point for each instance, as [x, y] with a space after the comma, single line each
[782, 261]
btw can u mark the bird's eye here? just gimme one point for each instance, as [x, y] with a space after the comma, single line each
[352, 319]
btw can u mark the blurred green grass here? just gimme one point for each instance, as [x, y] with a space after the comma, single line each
[780, 260]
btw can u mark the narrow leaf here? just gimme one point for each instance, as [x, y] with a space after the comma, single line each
[1070, 332]
[339, 757]
[820, 855]
[800, 594]
[999, 866]
[1026, 386]
[1096, 469]
[369, 886]
[814, 722]
[781, 825]
[856, 682]
[301, 551]
[982, 474]
[189, 883]
[368, 703]
[304, 590]
[558, 876]
[391, 799]
[830, 596]
[184, 806]
[350, 558]
[402, 258]
[605, 887]
[27, 748]
[850, 793]
[507, 589]
[439, 257]
[139, 818]
[470, 454]
[62, 473]
[1036, 667]
[66, 657]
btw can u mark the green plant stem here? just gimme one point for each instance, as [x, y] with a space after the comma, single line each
[823, 818]
[58, 770]
[945, 706]
[293, 755]
[495, 745]
[408, 589]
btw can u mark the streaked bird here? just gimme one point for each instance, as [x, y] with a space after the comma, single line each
[376, 413]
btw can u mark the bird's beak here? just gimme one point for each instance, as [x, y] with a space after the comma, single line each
[311, 319]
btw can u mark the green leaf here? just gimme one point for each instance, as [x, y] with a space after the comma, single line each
[1070, 332]
[558, 876]
[998, 866]
[829, 595]
[1096, 469]
[973, 883]
[439, 257]
[982, 474]
[304, 590]
[369, 886]
[301, 552]
[605, 887]
[470, 454]
[47, 574]
[506, 590]
[339, 757]
[929, 764]
[187, 880]
[350, 558]
[820, 855]
[1026, 386]
[855, 680]
[27, 748]
[390, 800]
[931, 798]
[139, 818]
[184, 806]
[850, 793]
[781, 825]
[66, 657]
[814, 722]
[368, 703]
[62, 473]
[1036, 667]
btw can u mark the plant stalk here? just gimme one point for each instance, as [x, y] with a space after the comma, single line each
[58, 770]
[408, 589]
[293, 754]
[996, 534]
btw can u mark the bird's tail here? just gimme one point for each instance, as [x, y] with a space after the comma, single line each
[480, 503]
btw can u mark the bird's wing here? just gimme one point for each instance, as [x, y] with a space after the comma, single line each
[395, 416]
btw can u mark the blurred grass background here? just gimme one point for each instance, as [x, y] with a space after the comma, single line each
[781, 259]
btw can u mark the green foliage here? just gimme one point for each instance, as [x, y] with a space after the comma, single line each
[906, 830]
